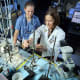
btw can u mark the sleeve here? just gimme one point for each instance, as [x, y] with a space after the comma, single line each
[57, 50]
[59, 37]
[17, 26]
[37, 34]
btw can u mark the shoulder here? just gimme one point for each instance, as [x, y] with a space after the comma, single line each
[42, 28]
[60, 34]
[59, 30]
[19, 21]
[20, 18]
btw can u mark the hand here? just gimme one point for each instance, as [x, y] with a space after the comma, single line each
[40, 48]
[25, 44]
[30, 41]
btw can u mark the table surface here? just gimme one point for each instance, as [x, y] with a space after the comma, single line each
[40, 69]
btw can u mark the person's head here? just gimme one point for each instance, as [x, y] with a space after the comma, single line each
[52, 18]
[29, 8]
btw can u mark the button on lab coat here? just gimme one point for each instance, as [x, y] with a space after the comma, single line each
[48, 42]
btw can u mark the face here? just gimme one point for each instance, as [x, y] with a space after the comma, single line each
[29, 10]
[49, 21]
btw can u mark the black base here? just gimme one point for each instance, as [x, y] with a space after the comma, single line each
[44, 77]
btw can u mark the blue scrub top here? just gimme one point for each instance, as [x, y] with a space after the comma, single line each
[26, 28]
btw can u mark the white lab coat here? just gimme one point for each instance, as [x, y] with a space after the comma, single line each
[42, 32]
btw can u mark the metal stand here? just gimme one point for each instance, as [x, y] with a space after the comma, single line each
[5, 28]
[45, 77]
[51, 58]
[33, 59]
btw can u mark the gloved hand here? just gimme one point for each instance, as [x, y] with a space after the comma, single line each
[40, 48]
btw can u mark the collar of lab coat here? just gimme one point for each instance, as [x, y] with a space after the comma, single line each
[53, 32]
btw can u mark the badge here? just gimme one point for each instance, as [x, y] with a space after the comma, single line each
[45, 30]
[52, 39]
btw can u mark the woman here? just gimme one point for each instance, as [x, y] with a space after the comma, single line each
[50, 34]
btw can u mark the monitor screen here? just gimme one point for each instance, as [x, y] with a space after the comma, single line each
[76, 17]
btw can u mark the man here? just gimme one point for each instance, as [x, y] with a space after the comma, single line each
[26, 24]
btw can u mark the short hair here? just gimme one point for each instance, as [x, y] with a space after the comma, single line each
[29, 3]
[53, 12]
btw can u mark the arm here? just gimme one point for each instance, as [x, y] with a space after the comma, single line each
[17, 29]
[59, 37]
[15, 36]
[37, 35]
[27, 43]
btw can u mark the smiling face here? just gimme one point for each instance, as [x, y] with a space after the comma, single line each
[49, 21]
[29, 10]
